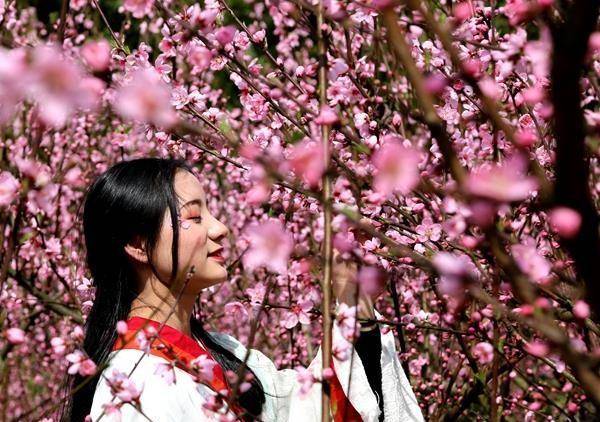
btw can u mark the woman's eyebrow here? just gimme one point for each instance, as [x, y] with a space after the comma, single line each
[198, 201]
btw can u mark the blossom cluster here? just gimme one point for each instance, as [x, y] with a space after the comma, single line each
[448, 165]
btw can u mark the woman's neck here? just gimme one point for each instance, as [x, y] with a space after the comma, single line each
[177, 314]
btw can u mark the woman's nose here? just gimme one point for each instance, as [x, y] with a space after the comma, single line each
[218, 230]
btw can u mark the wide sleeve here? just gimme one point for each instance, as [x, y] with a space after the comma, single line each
[290, 396]
[159, 400]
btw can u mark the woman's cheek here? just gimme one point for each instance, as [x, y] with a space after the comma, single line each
[198, 239]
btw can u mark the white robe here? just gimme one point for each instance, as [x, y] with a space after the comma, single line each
[183, 399]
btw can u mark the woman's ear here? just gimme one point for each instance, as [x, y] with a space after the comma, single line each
[136, 250]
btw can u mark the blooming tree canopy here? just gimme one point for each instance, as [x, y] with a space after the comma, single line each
[455, 144]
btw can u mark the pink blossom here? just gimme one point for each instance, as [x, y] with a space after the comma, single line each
[428, 230]
[454, 270]
[112, 410]
[166, 372]
[307, 161]
[80, 363]
[341, 352]
[565, 221]
[225, 34]
[270, 245]
[327, 116]
[581, 309]
[531, 262]
[594, 42]
[371, 280]
[297, 314]
[73, 177]
[9, 188]
[482, 212]
[255, 106]
[236, 310]
[396, 167]
[43, 199]
[256, 294]
[259, 36]
[450, 264]
[15, 335]
[58, 345]
[435, 83]
[306, 379]
[200, 57]
[463, 11]
[55, 83]
[344, 241]
[525, 138]
[505, 182]
[346, 319]
[38, 172]
[490, 88]
[519, 11]
[122, 387]
[204, 367]
[259, 193]
[77, 4]
[146, 98]
[483, 352]
[537, 348]
[138, 8]
[13, 66]
[96, 54]
[122, 328]
[533, 95]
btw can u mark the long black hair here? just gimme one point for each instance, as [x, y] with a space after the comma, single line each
[129, 200]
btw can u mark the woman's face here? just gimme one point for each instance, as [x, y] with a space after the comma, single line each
[200, 235]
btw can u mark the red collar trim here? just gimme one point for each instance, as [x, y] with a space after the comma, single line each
[170, 334]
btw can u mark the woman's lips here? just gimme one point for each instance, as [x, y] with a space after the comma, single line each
[217, 257]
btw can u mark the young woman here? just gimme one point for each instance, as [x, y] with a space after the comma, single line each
[152, 246]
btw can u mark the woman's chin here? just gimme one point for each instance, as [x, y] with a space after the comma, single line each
[218, 276]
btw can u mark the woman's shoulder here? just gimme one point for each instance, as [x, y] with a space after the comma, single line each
[256, 357]
[126, 360]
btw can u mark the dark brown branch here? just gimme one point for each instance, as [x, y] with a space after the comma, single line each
[572, 166]
[63, 20]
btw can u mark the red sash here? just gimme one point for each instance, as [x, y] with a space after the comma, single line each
[177, 347]
[172, 345]
[341, 408]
